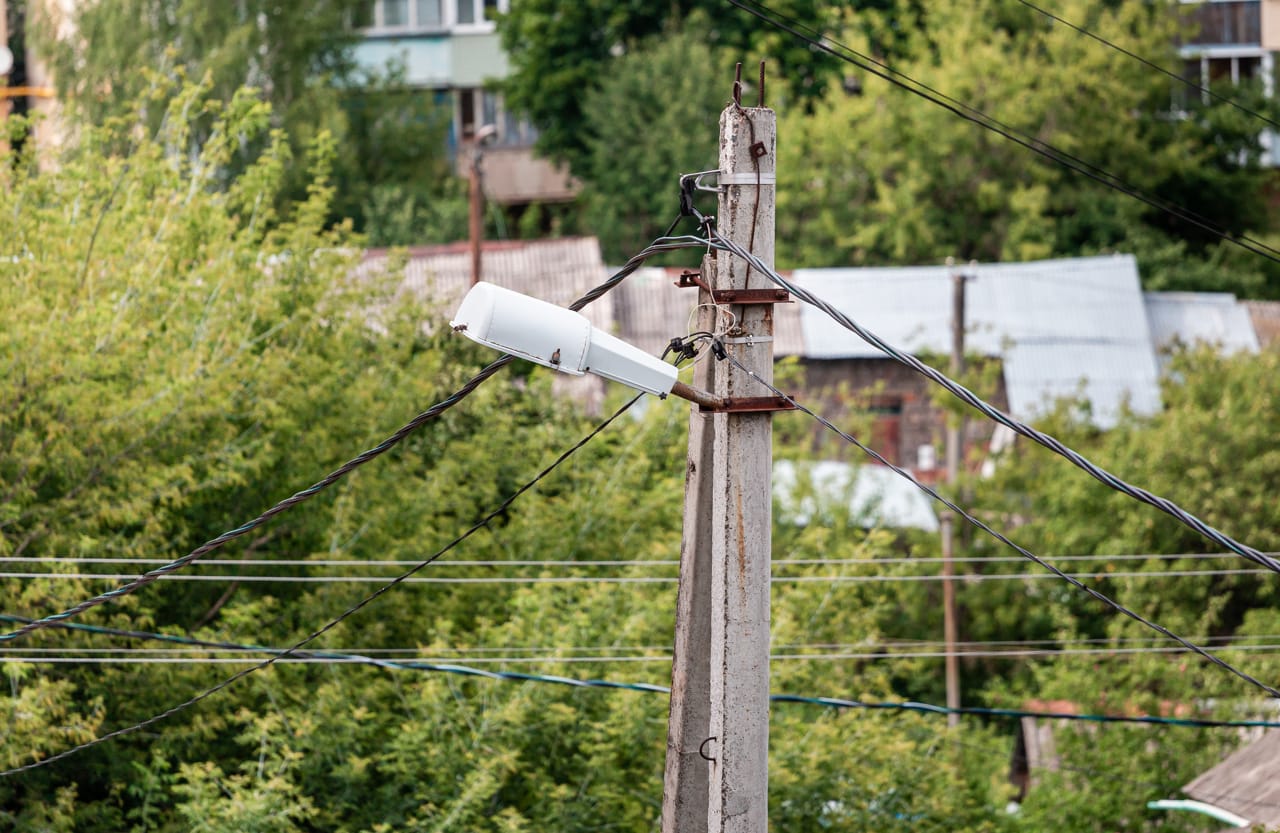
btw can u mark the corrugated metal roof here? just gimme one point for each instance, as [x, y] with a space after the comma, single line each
[1062, 327]
[1188, 318]
[651, 311]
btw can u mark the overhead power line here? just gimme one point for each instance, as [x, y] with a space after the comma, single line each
[825, 43]
[569, 563]
[970, 578]
[332, 623]
[125, 656]
[660, 245]
[1148, 63]
[995, 414]
[513, 676]
[1107, 600]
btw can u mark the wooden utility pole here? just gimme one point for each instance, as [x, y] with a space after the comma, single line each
[718, 739]
[955, 454]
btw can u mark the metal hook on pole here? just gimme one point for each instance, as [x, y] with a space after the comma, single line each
[737, 85]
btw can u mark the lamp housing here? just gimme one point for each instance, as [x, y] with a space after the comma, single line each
[558, 338]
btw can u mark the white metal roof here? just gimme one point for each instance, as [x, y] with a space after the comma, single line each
[875, 496]
[1188, 318]
[1062, 327]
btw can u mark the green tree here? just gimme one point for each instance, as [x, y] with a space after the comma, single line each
[560, 53]
[297, 54]
[640, 136]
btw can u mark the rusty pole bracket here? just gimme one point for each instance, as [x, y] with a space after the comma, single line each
[749, 405]
[689, 280]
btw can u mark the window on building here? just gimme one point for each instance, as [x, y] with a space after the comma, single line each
[412, 15]
[395, 13]
[430, 13]
[477, 107]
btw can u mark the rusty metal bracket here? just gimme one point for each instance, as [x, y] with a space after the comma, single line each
[750, 405]
[689, 280]
[692, 280]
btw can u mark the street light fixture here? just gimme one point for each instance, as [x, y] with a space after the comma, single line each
[564, 340]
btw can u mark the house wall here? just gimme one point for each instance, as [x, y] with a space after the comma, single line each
[889, 403]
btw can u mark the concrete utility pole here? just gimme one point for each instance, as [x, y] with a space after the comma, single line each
[718, 739]
[955, 454]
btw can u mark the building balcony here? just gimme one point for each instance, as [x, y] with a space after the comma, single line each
[1226, 23]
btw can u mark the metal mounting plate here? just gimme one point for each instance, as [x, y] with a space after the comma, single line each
[748, 297]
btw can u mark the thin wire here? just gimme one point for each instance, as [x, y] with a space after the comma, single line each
[125, 656]
[551, 649]
[659, 245]
[1151, 64]
[870, 649]
[573, 564]
[830, 702]
[991, 412]
[332, 623]
[970, 578]
[821, 41]
[1000, 537]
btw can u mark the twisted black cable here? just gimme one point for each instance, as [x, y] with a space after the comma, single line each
[662, 244]
[1137, 617]
[991, 412]
[822, 42]
[275, 657]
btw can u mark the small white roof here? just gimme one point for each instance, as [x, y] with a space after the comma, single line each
[875, 495]
[1062, 327]
[1190, 318]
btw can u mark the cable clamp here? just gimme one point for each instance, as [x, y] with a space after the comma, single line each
[748, 340]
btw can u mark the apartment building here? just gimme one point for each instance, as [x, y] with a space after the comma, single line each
[450, 49]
